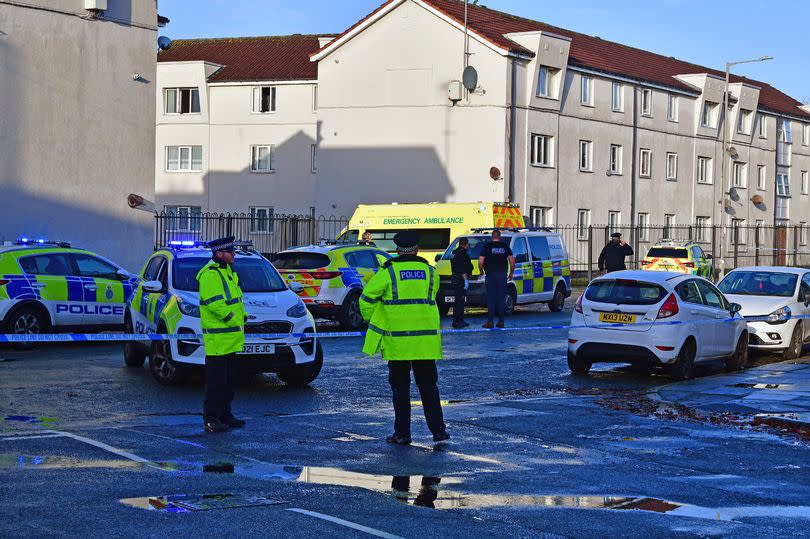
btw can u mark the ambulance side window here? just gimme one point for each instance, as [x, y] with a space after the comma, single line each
[520, 251]
[539, 247]
[52, 264]
[90, 266]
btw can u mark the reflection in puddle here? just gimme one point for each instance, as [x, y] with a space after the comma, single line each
[42, 462]
[184, 503]
[31, 419]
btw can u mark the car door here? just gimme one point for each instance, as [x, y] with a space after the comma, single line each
[724, 340]
[805, 305]
[142, 299]
[524, 271]
[103, 290]
[51, 279]
[543, 268]
[699, 315]
[365, 262]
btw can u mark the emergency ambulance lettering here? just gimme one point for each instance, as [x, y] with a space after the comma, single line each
[401, 221]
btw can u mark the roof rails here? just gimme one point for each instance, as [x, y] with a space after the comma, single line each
[521, 229]
[40, 242]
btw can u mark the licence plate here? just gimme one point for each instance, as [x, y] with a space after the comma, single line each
[449, 299]
[258, 349]
[617, 318]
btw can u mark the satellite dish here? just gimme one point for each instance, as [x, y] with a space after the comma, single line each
[470, 78]
[495, 173]
[164, 43]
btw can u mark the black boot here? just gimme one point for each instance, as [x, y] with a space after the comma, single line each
[215, 425]
[232, 422]
[398, 439]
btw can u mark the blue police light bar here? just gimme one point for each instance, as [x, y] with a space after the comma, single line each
[180, 244]
[40, 241]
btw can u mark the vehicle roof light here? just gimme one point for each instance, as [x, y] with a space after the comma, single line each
[25, 240]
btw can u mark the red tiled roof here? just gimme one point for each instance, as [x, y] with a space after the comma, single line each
[250, 58]
[598, 54]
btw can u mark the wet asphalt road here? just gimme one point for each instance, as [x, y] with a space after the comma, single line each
[535, 452]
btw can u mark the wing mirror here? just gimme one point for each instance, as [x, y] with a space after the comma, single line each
[437, 257]
[296, 287]
[735, 308]
[153, 286]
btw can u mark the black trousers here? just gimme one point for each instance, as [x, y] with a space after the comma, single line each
[220, 375]
[426, 376]
[496, 296]
[460, 298]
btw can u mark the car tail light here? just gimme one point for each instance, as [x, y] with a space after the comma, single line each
[578, 304]
[669, 308]
[325, 275]
[4, 282]
[665, 348]
[689, 264]
[572, 341]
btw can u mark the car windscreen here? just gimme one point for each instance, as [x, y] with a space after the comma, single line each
[625, 292]
[300, 260]
[759, 283]
[255, 275]
[476, 244]
[667, 252]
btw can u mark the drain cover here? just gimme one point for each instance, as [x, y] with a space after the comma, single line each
[184, 503]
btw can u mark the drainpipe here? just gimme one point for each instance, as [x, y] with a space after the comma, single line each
[633, 165]
[510, 194]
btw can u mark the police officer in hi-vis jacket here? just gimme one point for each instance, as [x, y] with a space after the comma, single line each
[399, 303]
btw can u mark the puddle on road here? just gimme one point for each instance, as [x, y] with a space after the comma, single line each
[52, 462]
[185, 503]
[756, 386]
[31, 419]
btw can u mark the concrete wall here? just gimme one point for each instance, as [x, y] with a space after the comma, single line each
[76, 131]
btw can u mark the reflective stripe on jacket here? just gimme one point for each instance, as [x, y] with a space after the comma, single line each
[222, 313]
[399, 303]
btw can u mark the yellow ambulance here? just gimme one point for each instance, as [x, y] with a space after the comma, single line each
[437, 223]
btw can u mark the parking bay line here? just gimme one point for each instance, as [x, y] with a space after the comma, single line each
[110, 449]
[35, 437]
[346, 523]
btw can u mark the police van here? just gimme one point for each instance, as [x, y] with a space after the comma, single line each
[542, 272]
[168, 301]
[50, 285]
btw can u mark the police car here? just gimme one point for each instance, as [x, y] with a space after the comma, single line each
[168, 301]
[679, 256]
[542, 271]
[50, 285]
[333, 276]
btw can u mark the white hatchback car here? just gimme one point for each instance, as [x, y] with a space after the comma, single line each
[653, 318]
[776, 303]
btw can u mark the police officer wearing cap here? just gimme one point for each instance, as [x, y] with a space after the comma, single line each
[399, 303]
[612, 256]
[222, 316]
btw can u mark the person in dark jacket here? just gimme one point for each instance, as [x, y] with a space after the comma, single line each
[612, 256]
[462, 268]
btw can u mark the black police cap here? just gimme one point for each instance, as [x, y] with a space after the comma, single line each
[406, 239]
[223, 244]
[616, 235]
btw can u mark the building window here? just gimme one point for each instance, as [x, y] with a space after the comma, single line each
[738, 231]
[583, 222]
[617, 98]
[585, 155]
[547, 81]
[738, 174]
[182, 100]
[702, 224]
[704, 170]
[183, 218]
[614, 221]
[542, 216]
[782, 185]
[804, 185]
[763, 126]
[805, 134]
[586, 91]
[782, 210]
[761, 172]
[672, 166]
[261, 220]
[183, 158]
[708, 114]
[802, 233]
[615, 166]
[643, 227]
[783, 132]
[669, 222]
[759, 233]
[313, 156]
[645, 163]
[672, 108]
[264, 99]
[314, 97]
[541, 150]
[261, 158]
[646, 102]
[743, 122]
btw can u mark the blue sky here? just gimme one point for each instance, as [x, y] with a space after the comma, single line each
[707, 32]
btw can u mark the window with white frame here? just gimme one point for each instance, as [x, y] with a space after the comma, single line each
[547, 82]
[617, 97]
[585, 155]
[645, 163]
[782, 185]
[804, 180]
[183, 158]
[784, 133]
[805, 134]
[264, 99]
[646, 102]
[541, 150]
[802, 233]
[672, 108]
[782, 210]
[583, 222]
[708, 115]
[643, 224]
[314, 97]
[763, 126]
[759, 233]
[738, 174]
[702, 224]
[614, 221]
[261, 220]
[672, 166]
[744, 122]
[615, 159]
[313, 151]
[182, 100]
[261, 158]
[586, 91]
[761, 175]
[704, 170]
[183, 218]
[542, 216]
[669, 222]
[738, 231]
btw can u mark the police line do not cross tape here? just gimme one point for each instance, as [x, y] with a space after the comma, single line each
[124, 337]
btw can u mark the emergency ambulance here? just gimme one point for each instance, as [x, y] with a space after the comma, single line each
[50, 285]
[437, 223]
[168, 301]
[542, 271]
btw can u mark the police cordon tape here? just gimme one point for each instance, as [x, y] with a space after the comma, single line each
[124, 337]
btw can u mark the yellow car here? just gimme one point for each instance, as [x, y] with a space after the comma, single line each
[679, 257]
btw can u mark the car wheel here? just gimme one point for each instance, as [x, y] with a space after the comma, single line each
[163, 369]
[684, 367]
[303, 375]
[511, 302]
[349, 316]
[578, 365]
[27, 320]
[739, 359]
[134, 354]
[794, 350]
[558, 301]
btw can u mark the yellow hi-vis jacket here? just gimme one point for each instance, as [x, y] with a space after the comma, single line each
[222, 313]
[399, 303]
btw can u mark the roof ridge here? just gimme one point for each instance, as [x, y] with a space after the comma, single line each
[246, 38]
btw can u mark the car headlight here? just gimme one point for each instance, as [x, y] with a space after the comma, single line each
[779, 316]
[298, 310]
[188, 309]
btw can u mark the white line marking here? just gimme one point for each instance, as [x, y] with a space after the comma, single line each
[40, 437]
[108, 448]
[346, 523]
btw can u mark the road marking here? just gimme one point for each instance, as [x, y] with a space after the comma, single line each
[101, 445]
[39, 437]
[346, 523]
